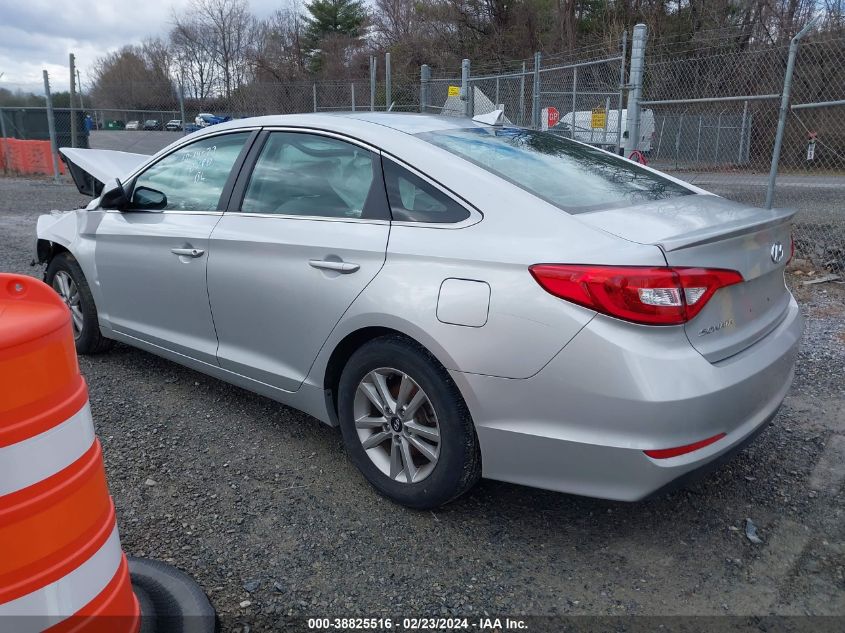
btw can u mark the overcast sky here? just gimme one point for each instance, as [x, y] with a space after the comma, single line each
[38, 34]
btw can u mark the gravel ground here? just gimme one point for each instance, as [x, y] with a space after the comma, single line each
[259, 504]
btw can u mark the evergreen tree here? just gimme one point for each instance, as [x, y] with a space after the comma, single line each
[338, 20]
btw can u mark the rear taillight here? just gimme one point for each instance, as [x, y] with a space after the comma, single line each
[652, 296]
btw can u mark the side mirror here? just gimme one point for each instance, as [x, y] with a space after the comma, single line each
[114, 197]
[146, 198]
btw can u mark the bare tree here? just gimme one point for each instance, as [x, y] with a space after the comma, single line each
[129, 79]
[279, 51]
[192, 43]
[232, 25]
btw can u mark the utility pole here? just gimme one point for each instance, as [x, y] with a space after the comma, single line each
[425, 87]
[373, 70]
[635, 87]
[182, 101]
[784, 109]
[6, 166]
[465, 87]
[72, 60]
[51, 125]
[388, 96]
[79, 89]
[535, 99]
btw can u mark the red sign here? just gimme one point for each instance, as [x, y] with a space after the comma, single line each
[551, 116]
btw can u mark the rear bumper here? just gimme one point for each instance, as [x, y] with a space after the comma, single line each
[701, 471]
[581, 424]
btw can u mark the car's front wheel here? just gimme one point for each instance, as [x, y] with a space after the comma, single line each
[65, 276]
[405, 425]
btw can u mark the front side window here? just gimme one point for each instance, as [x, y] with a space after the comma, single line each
[311, 175]
[193, 177]
[569, 175]
[412, 199]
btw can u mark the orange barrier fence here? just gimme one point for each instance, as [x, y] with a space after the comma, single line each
[27, 157]
[61, 564]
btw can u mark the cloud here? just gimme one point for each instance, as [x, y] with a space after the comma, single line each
[39, 34]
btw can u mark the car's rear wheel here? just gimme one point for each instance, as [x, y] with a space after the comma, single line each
[65, 276]
[405, 425]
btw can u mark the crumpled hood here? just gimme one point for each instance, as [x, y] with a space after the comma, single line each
[92, 168]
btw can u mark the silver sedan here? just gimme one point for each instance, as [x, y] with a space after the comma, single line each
[463, 299]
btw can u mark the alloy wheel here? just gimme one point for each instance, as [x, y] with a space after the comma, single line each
[397, 425]
[64, 285]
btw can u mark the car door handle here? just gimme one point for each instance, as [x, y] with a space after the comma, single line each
[327, 264]
[188, 252]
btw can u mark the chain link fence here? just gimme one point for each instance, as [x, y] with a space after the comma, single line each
[814, 146]
[706, 109]
[510, 92]
[716, 102]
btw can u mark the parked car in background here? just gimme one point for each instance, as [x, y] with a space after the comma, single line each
[204, 119]
[174, 125]
[543, 312]
[114, 124]
[133, 125]
[153, 124]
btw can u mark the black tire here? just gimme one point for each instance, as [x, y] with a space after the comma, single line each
[148, 612]
[458, 467]
[89, 339]
[177, 602]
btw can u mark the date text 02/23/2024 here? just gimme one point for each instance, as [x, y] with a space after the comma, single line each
[492, 624]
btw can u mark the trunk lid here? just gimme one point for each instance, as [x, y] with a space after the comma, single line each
[92, 168]
[705, 231]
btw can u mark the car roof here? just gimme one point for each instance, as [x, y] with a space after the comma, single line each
[413, 123]
[406, 122]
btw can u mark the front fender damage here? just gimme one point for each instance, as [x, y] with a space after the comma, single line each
[55, 229]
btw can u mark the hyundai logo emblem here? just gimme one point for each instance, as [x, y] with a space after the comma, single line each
[777, 252]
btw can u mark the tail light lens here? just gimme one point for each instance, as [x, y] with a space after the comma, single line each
[651, 296]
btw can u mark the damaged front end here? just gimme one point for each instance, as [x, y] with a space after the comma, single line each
[90, 169]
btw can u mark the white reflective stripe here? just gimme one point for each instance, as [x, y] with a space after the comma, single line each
[45, 454]
[57, 601]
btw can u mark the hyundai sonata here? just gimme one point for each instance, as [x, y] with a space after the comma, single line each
[463, 299]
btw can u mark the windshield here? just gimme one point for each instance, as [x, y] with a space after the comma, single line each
[569, 175]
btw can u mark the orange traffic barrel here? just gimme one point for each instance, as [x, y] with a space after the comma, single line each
[61, 564]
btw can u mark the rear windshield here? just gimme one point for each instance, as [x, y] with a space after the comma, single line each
[569, 175]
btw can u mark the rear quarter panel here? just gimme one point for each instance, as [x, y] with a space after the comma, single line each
[526, 326]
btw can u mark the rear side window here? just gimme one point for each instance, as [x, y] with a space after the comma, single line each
[412, 199]
[311, 175]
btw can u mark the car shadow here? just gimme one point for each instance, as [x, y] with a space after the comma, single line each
[516, 510]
